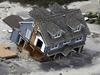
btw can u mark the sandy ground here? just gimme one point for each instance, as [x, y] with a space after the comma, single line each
[87, 63]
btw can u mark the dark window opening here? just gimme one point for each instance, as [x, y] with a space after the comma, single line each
[77, 49]
[39, 43]
[21, 43]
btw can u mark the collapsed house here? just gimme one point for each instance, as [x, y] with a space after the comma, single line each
[51, 32]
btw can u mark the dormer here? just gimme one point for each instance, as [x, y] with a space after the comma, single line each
[77, 28]
[54, 30]
[56, 35]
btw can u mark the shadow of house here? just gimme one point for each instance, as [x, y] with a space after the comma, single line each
[74, 61]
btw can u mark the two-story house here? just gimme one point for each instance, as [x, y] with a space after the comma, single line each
[52, 31]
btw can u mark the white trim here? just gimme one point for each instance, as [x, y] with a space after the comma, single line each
[55, 47]
[79, 39]
[66, 42]
[27, 22]
[57, 35]
[28, 34]
[76, 29]
[20, 38]
[40, 38]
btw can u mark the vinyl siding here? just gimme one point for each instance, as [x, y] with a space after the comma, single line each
[15, 36]
[24, 27]
[61, 44]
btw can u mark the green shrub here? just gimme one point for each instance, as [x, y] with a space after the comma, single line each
[91, 15]
[98, 20]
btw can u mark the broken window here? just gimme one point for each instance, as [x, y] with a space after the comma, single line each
[39, 43]
[77, 49]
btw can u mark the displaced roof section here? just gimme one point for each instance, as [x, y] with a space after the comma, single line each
[13, 21]
[54, 27]
[5, 52]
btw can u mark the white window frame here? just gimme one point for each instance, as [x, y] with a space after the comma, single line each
[66, 42]
[57, 35]
[78, 28]
[28, 34]
[79, 39]
[54, 47]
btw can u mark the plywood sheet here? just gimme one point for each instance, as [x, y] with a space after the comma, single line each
[6, 53]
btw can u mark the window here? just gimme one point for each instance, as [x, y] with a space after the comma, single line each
[66, 42]
[39, 43]
[28, 34]
[57, 35]
[54, 47]
[78, 28]
[79, 39]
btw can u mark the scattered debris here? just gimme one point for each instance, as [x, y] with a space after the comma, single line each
[95, 35]
[10, 31]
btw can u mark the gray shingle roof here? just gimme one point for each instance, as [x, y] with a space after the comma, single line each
[60, 20]
[56, 8]
[13, 21]
[53, 26]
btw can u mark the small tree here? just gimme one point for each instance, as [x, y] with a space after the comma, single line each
[98, 19]
[91, 15]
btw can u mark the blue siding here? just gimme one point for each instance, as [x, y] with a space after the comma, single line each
[73, 40]
[47, 49]
[15, 36]
[61, 45]
[84, 38]
[24, 27]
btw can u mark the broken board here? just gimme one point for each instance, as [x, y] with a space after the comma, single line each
[5, 51]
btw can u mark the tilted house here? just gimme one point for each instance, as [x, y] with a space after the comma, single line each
[52, 31]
